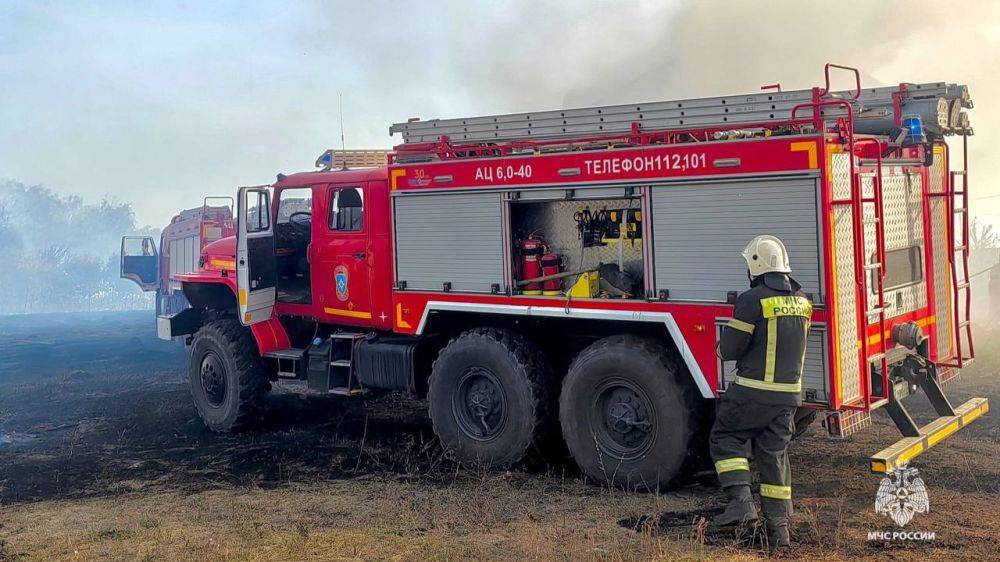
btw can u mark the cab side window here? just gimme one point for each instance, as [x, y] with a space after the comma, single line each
[294, 202]
[347, 210]
[258, 211]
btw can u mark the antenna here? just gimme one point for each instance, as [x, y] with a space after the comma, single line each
[343, 143]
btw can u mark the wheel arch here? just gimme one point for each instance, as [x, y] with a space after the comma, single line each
[452, 317]
[220, 296]
[210, 295]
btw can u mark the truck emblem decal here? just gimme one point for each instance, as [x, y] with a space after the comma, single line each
[340, 279]
[901, 495]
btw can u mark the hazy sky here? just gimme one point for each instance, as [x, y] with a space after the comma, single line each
[161, 103]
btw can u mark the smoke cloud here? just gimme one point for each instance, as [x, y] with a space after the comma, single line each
[176, 102]
[59, 254]
[471, 60]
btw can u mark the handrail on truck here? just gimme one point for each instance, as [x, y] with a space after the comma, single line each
[857, 79]
[847, 125]
[877, 200]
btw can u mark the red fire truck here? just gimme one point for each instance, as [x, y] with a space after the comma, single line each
[566, 273]
[182, 242]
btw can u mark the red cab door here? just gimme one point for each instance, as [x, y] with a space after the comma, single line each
[341, 257]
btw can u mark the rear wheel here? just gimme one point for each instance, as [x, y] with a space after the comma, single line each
[228, 380]
[490, 397]
[626, 417]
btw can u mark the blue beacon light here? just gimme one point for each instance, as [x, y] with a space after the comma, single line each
[914, 129]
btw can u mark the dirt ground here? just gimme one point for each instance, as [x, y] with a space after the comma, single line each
[103, 456]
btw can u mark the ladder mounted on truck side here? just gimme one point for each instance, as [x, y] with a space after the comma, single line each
[958, 211]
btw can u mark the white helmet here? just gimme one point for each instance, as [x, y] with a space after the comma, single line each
[766, 254]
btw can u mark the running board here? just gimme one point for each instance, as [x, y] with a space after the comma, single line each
[287, 361]
[290, 354]
[907, 448]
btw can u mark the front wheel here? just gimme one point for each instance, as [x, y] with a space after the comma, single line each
[228, 380]
[626, 417]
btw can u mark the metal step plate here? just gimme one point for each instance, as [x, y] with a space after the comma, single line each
[931, 434]
[347, 335]
[292, 353]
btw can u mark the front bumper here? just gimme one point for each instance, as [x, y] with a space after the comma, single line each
[169, 326]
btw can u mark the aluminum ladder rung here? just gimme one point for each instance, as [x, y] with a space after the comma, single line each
[871, 266]
[878, 403]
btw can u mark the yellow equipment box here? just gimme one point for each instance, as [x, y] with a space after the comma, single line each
[587, 285]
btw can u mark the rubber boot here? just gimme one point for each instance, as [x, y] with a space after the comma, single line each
[777, 533]
[776, 522]
[740, 508]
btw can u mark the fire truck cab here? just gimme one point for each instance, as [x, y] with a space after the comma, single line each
[568, 273]
[326, 256]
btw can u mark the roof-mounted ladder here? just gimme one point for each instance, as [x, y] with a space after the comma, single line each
[874, 109]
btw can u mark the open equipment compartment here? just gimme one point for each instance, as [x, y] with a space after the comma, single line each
[582, 243]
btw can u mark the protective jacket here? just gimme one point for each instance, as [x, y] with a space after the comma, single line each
[767, 339]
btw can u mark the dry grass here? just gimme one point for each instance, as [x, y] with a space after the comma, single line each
[489, 516]
[134, 476]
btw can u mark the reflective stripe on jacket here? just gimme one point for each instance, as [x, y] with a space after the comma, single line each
[767, 337]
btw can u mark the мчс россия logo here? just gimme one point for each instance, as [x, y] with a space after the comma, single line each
[901, 495]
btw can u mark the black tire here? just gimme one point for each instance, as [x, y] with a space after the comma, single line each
[491, 397]
[627, 418]
[228, 380]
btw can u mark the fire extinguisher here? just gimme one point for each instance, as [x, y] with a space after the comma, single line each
[550, 266]
[532, 249]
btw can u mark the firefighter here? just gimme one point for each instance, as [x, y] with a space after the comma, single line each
[767, 339]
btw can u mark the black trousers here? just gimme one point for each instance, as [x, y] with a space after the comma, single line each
[743, 424]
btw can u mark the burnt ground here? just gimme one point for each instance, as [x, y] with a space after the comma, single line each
[102, 455]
